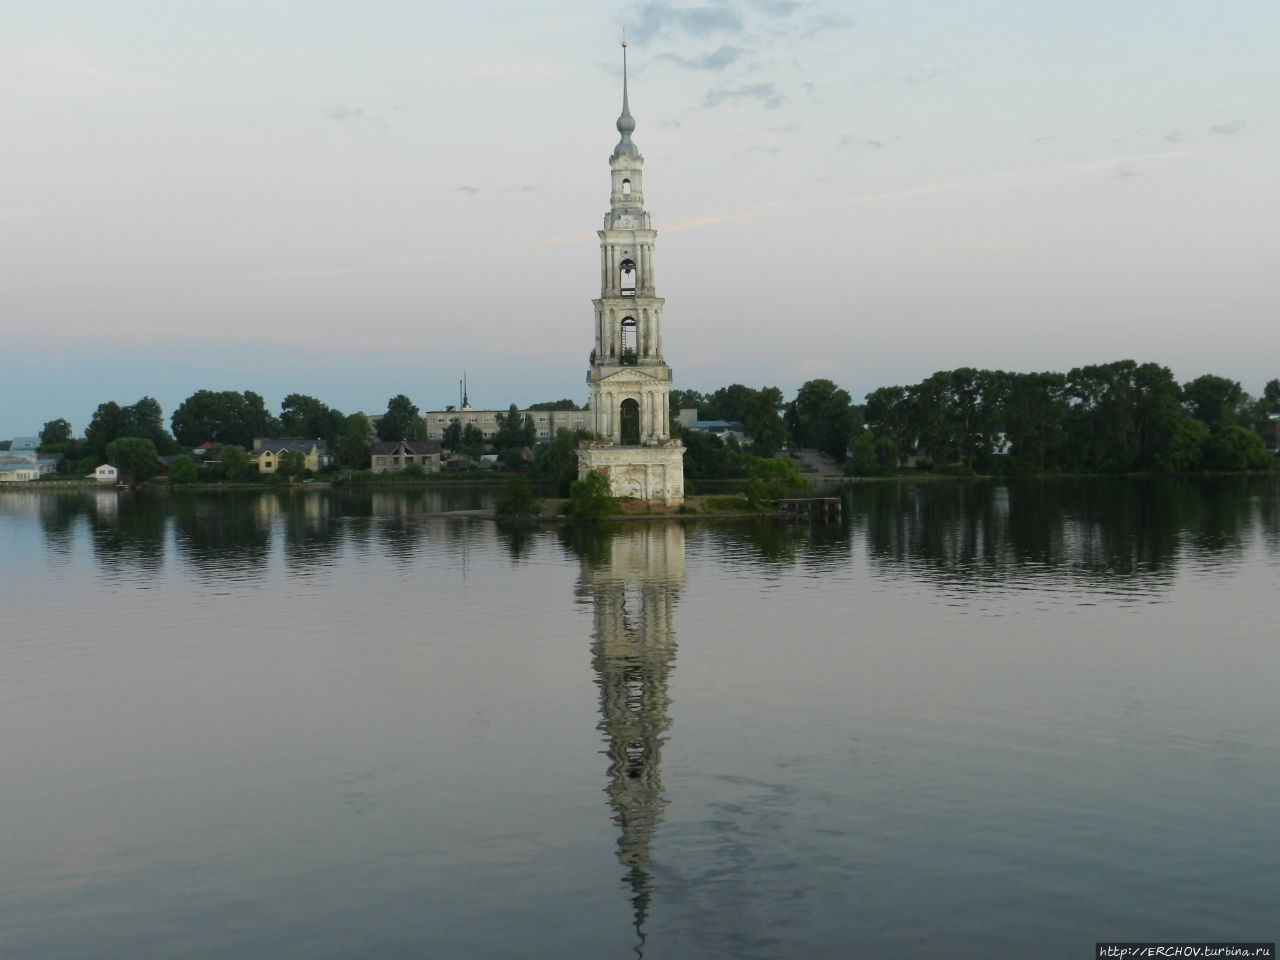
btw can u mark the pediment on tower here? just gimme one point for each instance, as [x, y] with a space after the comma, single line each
[628, 376]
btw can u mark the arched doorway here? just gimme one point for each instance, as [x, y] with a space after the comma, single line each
[629, 420]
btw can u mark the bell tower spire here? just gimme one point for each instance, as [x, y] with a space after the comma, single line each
[629, 380]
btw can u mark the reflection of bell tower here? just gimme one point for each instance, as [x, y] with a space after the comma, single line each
[629, 380]
[633, 595]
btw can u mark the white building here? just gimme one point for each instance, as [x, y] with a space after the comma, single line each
[545, 422]
[629, 380]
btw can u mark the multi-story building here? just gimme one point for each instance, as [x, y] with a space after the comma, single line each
[545, 422]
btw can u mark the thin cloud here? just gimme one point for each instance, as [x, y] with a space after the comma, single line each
[765, 93]
[777, 8]
[1226, 129]
[914, 77]
[342, 113]
[467, 188]
[657, 18]
[718, 59]
[825, 23]
[869, 143]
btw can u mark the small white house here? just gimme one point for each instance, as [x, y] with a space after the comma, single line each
[106, 473]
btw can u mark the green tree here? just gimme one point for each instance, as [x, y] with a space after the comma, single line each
[1235, 448]
[565, 404]
[1029, 409]
[472, 443]
[871, 456]
[135, 457]
[292, 464]
[402, 421]
[887, 415]
[556, 462]
[142, 419]
[146, 419]
[353, 444]
[222, 416]
[1213, 400]
[55, 431]
[774, 479]
[184, 469]
[757, 410]
[105, 425]
[303, 416]
[236, 464]
[1271, 394]
[452, 438]
[821, 416]
[1184, 448]
[515, 430]
[517, 499]
[591, 499]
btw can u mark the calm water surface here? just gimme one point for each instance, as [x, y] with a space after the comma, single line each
[975, 720]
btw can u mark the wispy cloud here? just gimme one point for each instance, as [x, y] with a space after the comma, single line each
[914, 76]
[777, 8]
[765, 93]
[343, 113]
[467, 188]
[1226, 129]
[659, 18]
[869, 143]
[717, 59]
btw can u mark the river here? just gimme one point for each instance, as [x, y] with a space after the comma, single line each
[975, 719]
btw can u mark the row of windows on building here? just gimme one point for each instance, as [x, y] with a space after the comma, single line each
[546, 421]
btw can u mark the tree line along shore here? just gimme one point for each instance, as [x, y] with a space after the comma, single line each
[1120, 417]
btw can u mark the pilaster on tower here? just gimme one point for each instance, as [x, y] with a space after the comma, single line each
[629, 380]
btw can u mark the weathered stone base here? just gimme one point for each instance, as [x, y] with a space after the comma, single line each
[654, 473]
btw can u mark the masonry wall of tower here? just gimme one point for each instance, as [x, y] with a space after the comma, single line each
[628, 381]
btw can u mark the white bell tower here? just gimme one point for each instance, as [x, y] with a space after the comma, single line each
[629, 380]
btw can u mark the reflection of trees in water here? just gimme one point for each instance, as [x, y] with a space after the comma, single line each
[310, 538]
[770, 542]
[128, 531]
[632, 580]
[61, 513]
[517, 538]
[1226, 509]
[1105, 527]
[222, 535]
[1269, 515]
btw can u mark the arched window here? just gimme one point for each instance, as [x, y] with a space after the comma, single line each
[628, 355]
[629, 421]
[627, 278]
[626, 188]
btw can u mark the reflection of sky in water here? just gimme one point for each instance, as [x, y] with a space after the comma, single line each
[993, 717]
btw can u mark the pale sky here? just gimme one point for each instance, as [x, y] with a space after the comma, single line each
[355, 200]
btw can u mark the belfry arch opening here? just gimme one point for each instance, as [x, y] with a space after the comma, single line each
[628, 354]
[627, 278]
[626, 188]
[629, 421]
